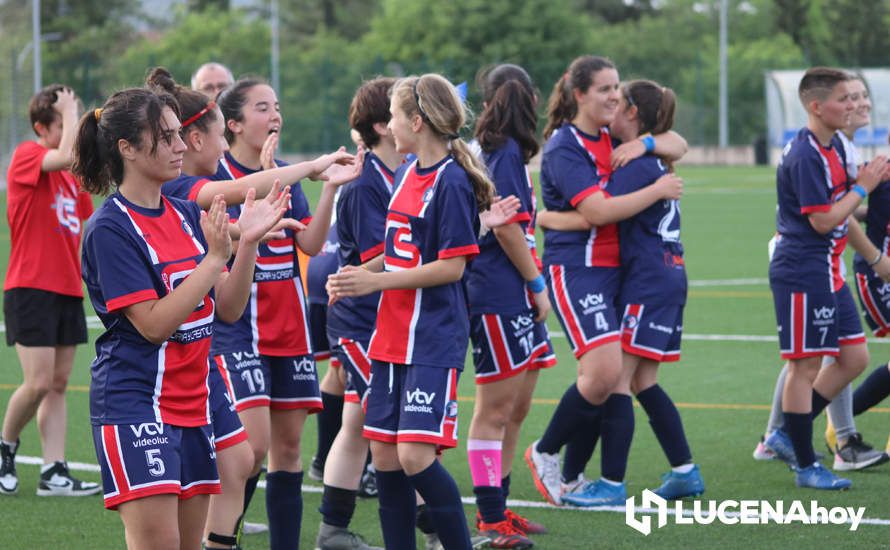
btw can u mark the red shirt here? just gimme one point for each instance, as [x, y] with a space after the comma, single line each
[45, 211]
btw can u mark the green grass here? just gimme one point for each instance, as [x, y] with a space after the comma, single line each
[728, 216]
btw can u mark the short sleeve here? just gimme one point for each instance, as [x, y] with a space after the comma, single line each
[24, 169]
[120, 268]
[508, 172]
[809, 178]
[185, 187]
[456, 215]
[573, 175]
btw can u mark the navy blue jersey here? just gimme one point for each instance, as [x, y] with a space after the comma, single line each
[574, 166]
[652, 267]
[432, 216]
[877, 226]
[185, 187]
[361, 221]
[275, 321]
[133, 254]
[810, 178]
[320, 266]
[493, 283]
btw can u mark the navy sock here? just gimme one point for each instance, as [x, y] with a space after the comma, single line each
[580, 448]
[329, 421]
[284, 508]
[665, 421]
[800, 429]
[443, 505]
[337, 506]
[819, 403]
[397, 508]
[872, 391]
[249, 490]
[618, 432]
[490, 502]
[505, 486]
[566, 418]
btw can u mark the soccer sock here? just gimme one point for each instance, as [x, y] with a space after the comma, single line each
[505, 486]
[776, 418]
[840, 411]
[329, 421]
[666, 423]
[800, 429]
[443, 505]
[617, 433]
[284, 508]
[572, 407]
[485, 469]
[337, 506]
[819, 403]
[580, 448]
[249, 490]
[397, 508]
[872, 391]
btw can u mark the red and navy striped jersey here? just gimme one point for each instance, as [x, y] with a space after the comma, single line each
[877, 226]
[275, 321]
[652, 267]
[574, 166]
[133, 254]
[810, 178]
[361, 227]
[493, 283]
[185, 187]
[432, 216]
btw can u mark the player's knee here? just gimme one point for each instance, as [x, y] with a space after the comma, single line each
[520, 411]
[38, 387]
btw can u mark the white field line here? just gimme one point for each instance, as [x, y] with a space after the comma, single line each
[468, 501]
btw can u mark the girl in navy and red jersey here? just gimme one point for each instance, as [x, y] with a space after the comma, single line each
[42, 292]
[146, 264]
[422, 328]
[582, 266]
[202, 131]
[508, 304]
[266, 356]
[361, 227]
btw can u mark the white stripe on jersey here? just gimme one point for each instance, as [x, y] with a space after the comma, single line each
[399, 188]
[254, 329]
[384, 176]
[151, 251]
[159, 382]
[409, 349]
[299, 286]
[432, 189]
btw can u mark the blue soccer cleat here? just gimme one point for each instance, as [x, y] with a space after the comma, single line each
[597, 493]
[818, 476]
[676, 485]
[779, 443]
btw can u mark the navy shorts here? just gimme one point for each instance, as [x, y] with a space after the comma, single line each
[408, 403]
[652, 332]
[143, 460]
[874, 295]
[812, 324]
[545, 357]
[353, 356]
[227, 428]
[584, 300]
[504, 345]
[318, 331]
[279, 383]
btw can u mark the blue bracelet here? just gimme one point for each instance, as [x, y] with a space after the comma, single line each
[859, 190]
[648, 143]
[537, 284]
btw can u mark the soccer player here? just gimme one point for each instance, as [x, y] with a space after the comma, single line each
[815, 312]
[582, 266]
[211, 79]
[147, 261]
[202, 131]
[843, 440]
[267, 354]
[361, 223]
[42, 293]
[508, 303]
[422, 328]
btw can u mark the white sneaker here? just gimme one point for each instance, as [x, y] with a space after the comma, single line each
[57, 481]
[545, 470]
[762, 452]
[574, 485]
[9, 481]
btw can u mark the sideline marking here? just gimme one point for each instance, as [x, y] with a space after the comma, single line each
[468, 501]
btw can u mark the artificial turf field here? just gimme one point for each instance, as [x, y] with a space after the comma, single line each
[722, 386]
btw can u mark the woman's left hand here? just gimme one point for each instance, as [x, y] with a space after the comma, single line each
[352, 281]
[627, 152]
[259, 217]
[340, 174]
[501, 212]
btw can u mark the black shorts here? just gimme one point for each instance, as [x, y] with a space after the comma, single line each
[41, 318]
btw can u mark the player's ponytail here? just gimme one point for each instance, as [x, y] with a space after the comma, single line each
[655, 105]
[561, 107]
[124, 116]
[509, 97]
[436, 101]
